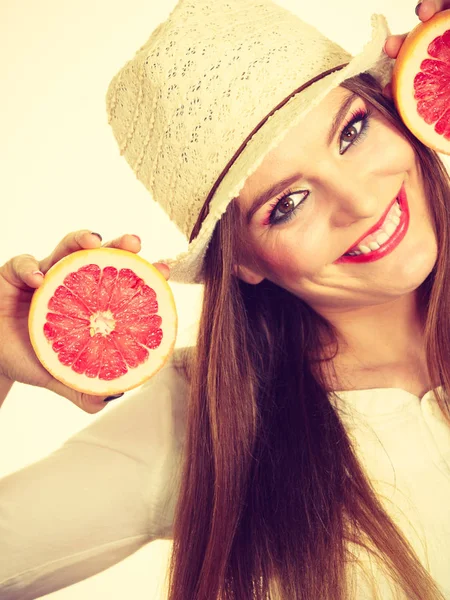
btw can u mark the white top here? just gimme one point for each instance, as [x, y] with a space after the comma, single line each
[112, 487]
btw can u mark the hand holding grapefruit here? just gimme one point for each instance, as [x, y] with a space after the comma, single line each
[18, 361]
[420, 84]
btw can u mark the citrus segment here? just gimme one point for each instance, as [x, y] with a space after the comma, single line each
[421, 82]
[103, 321]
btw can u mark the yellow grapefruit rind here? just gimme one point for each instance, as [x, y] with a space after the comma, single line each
[407, 65]
[102, 257]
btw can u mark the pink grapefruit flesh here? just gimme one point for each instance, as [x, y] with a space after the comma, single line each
[103, 321]
[421, 82]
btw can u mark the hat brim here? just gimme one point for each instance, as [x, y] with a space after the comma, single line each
[187, 266]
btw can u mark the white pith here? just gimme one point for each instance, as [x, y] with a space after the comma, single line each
[102, 322]
[382, 235]
[406, 103]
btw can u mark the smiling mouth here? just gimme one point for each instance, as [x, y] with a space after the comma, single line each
[380, 233]
[384, 236]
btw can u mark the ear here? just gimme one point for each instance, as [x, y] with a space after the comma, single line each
[247, 274]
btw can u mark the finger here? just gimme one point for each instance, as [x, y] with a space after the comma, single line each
[23, 272]
[132, 243]
[393, 44]
[129, 242]
[163, 269]
[88, 403]
[77, 240]
[426, 9]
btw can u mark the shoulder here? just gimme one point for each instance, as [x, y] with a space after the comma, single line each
[174, 375]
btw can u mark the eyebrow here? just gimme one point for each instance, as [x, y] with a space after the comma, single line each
[282, 184]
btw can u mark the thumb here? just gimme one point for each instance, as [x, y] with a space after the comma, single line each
[87, 402]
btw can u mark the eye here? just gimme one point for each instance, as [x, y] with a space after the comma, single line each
[355, 130]
[284, 208]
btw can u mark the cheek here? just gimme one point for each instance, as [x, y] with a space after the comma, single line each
[388, 152]
[398, 155]
[295, 253]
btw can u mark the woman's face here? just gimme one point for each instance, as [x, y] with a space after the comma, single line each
[338, 190]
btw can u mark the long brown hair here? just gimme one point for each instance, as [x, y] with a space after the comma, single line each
[274, 503]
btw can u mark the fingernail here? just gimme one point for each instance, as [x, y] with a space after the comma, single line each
[418, 8]
[113, 397]
[38, 273]
[97, 234]
[137, 237]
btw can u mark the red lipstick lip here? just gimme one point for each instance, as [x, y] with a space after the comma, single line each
[391, 243]
[376, 226]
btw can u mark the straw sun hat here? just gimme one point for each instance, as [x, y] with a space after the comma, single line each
[214, 89]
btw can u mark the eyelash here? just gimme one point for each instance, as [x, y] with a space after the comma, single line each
[360, 115]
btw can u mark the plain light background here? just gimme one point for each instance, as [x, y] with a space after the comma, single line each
[61, 171]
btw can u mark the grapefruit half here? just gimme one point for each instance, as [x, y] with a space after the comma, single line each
[421, 82]
[103, 321]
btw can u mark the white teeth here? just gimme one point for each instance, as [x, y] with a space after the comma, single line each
[390, 225]
[389, 228]
[382, 237]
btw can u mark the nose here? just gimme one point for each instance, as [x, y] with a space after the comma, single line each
[351, 201]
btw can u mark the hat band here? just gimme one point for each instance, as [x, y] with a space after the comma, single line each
[205, 209]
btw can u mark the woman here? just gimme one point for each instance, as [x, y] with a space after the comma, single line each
[261, 461]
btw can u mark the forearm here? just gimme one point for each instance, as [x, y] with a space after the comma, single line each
[5, 386]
